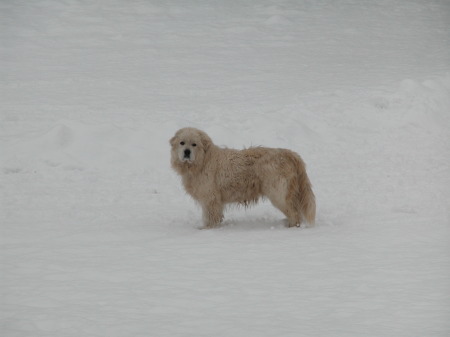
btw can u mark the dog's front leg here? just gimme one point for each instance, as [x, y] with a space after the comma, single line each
[212, 213]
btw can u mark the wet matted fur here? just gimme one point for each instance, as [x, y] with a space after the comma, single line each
[216, 176]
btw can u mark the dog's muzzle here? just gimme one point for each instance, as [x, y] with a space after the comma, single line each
[187, 154]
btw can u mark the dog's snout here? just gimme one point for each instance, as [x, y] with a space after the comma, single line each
[187, 153]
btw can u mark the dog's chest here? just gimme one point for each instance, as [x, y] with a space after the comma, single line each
[198, 186]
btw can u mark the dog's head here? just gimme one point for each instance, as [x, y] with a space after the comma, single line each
[189, 146]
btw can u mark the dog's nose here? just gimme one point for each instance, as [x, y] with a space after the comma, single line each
[187, 153]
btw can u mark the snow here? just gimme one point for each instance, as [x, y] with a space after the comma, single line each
[98, 237]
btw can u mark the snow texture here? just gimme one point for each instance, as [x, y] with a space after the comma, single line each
[98, 237]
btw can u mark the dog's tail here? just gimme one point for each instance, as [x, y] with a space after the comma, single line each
[307, 200]
[309, 206]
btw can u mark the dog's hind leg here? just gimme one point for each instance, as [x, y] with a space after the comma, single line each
[277, 192]
[293, 215]
[212, 213]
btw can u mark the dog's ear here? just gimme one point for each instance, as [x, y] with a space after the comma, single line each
[173, 140]
[206, 141]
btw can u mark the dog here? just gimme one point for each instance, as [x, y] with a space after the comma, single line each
[216, 176]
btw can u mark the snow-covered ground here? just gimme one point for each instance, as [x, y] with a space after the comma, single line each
[98, 237]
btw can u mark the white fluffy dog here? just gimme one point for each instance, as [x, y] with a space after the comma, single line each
[216, 176]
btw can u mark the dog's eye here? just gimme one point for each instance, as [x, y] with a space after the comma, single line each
[181, 143]
[194, 144]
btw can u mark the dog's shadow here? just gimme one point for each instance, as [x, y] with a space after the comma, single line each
[254, 224]
[266, 223]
